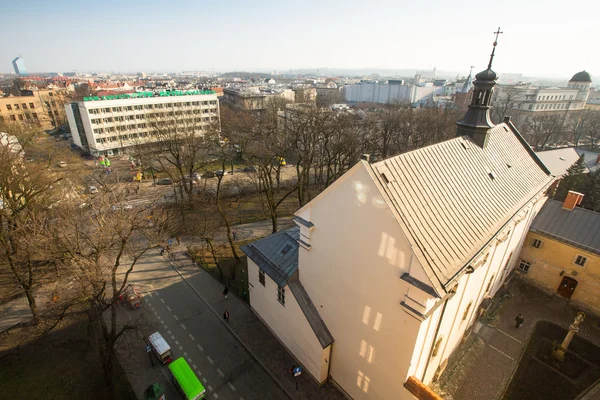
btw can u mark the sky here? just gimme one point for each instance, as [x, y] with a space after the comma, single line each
[542, 38]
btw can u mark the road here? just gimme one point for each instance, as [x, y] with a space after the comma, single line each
[193, 331]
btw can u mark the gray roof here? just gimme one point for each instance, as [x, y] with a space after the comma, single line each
[453, 197]
[578, 227]
[559, 160]
[276, 254]
[589, 158]
[311, 313]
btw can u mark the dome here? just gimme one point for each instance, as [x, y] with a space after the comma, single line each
[487, 75]
[582, 76]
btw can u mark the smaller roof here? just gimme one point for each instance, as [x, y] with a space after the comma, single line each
[591, 159]
[276, 254]
[311, 313]
[559, 160]
[578, 227]
[582, 76]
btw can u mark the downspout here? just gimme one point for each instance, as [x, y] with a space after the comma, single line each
[437, 330]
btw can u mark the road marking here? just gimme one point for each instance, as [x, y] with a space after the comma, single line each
[216, 396]
[162, 301]
[177, 343]
[175, 316]
[155, 313]
[200, 348]
[210, 360]
[192, 337]
[189, 360]
[204, 380]
[185, 354]
[170, 333]
[173, 337]
[183, 326]
[198, 372]
[221, 373]
[210, 388]
[159, 318]
[165, 326]
[512, 337]
[145, 298]
[195, 367]
[169, 308]
[231, 386]
[241, 398]
[180, 347]
[501, 352]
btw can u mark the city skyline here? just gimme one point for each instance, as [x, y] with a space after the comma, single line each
[267, 35]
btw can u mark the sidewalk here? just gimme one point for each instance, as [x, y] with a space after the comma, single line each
[504, 343]
[250, 331]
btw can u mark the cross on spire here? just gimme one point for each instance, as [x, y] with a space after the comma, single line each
[497, 33]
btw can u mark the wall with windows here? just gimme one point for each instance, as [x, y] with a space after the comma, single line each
[546, 262]
[280, 311]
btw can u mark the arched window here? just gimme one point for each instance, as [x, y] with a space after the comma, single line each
[466, 314]
[436, 346]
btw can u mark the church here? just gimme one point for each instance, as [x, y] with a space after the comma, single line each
[385, 271]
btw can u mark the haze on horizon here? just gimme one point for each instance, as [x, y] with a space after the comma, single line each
[541, 38]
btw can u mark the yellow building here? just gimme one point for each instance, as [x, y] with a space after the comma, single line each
[561, 252]
[41, 107]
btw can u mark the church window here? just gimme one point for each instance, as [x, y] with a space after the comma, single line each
[436, 347]
[466, 313]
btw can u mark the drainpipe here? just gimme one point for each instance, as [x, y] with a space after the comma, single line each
[437, 330]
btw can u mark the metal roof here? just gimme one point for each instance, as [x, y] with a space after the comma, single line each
[559, 160]
[276, 254]
[578, 227]
[590, 158]
[311, 313]
[453, 197]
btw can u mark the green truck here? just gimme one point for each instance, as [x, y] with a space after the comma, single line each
[186, 380]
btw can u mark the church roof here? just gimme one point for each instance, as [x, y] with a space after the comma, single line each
[453, 197]
[486, 75]
[582, 76]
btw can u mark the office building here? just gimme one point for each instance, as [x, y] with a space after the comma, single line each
[41, 107]
[110, 125]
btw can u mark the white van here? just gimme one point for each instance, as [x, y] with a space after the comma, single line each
[160, 347]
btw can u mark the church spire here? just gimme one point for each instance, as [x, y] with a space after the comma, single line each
[477, 121]
[467, 85]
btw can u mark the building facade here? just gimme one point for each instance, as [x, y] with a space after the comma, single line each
[255, 99]
[43, 108]
[561, 253]
[109, 125]
[525, 101]
[394, 92]
[397, 256]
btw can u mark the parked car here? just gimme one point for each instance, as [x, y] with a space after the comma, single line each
[62, 164]
[249, 168]
[122, 206]
[208, 174]
[219, 172]
[92, 190]
[164, 181]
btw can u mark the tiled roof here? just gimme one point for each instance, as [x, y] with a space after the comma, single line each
[453, 197]
[559, 160]
[276, 254]
[578, 227]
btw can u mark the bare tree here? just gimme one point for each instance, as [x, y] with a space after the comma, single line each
[543, 129]
[504, 99]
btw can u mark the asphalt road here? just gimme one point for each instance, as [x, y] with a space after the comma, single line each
[193, 331]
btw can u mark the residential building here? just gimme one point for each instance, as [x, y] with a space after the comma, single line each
[305, 95]
[395, 257]
[109, 125]
[393, 92]
[525, 101]
[19, 66]
[561, 252]
[254, 98]
[40, 107]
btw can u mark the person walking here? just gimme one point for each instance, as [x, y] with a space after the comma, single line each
[178, 239]
[226, 316]
[234, 233]
[519, 320]
[162, 251]
[225, 292]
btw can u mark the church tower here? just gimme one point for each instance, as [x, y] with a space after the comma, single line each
[477, 121]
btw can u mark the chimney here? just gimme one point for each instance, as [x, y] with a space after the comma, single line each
[573, 199]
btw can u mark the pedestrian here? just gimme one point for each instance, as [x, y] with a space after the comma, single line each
[519, 320]
[162, 251]
[170, 242]
[234, 233]
[225, 292]
[226, 316]
[178, 239]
